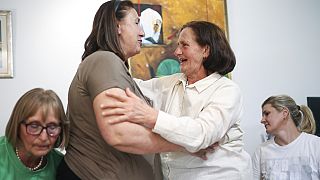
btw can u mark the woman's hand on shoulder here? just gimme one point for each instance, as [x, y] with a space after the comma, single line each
[128, 107]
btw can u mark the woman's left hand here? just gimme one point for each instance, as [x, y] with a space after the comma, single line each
[129, 108]
[204, 152]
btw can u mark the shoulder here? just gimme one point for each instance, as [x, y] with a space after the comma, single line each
[313, 139]
[3, 140]
[102, 57]
[226, 82]
[267, 143]
[226, 88]
[102, 54]
[4, 143]
[54, 157]
[55, 154]
[266, 146]
[162, 82]
[101, 65]
[171, 79]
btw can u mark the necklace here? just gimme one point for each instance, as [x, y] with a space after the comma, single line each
[34, 168]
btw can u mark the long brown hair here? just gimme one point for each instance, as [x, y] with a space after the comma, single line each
[104, 34]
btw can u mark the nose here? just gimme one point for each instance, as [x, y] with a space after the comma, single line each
[263, 120]
[177, 52]
[43, 135]
[141, 31]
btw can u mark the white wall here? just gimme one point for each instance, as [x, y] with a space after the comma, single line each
[48, 38]
[277, 48]
[275, 43]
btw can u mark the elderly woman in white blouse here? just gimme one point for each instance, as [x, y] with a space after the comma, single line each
[195, 108]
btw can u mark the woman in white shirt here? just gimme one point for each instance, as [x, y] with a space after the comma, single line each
[198, 108]
[290, 153]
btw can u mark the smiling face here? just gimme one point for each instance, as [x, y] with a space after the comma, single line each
[38, 145]
[191, 55]
[130, 33]
[272, 119]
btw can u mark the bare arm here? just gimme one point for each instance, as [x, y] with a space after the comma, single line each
[206, 129]
[129, 107]
[127, 136]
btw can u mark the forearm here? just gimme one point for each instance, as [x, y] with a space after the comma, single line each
[127, 136]
[192, 134]
[136, 139]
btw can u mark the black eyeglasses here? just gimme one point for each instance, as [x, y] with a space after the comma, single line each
[35, 129]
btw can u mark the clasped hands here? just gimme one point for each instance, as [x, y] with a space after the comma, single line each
[131, 108]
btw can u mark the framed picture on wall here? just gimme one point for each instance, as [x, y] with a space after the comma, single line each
[6, 65]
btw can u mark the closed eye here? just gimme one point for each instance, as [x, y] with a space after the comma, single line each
[265, 113]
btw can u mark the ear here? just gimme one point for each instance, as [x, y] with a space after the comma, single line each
[285, 112]
[206, 51]
[119, 29]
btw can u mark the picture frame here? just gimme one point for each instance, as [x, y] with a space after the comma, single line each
[158, 60]
[6, 62]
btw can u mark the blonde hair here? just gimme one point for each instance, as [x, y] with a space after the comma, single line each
[301, 115]
[307, 125]
[28, 105]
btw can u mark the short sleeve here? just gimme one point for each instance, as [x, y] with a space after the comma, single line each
[104, 70]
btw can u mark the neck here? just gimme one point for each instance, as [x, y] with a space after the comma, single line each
[31, 162]
[287, 135]
[194, 78]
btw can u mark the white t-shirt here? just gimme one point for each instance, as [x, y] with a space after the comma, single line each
[299, 160]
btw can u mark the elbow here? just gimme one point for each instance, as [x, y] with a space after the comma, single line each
[117, 141]
[192, 149]
[113, 139]
[203, 142]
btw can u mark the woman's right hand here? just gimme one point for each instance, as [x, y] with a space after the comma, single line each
[129, 108]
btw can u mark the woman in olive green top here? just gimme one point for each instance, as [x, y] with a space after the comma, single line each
[37, 125]
[97, 149]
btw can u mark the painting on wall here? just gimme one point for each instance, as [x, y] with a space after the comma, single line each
[157, 59]
[6, 66]
[151, 22]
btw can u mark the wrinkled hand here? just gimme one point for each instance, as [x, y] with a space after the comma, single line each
[129, 108]
[203, 152]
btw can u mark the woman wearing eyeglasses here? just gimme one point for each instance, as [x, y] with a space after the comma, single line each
[37, 125]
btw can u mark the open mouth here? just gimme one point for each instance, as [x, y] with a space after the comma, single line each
[266, 126]
[182, 60]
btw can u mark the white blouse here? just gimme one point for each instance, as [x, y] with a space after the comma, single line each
[195, 116]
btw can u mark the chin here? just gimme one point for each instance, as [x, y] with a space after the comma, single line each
[269, 131]
[135, 53]
[40, 153]
[43, 151]
[182, 70]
